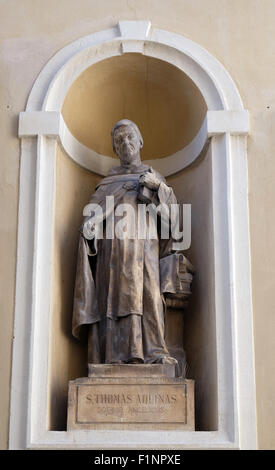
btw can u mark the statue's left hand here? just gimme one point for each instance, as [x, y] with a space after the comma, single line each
[150, 180]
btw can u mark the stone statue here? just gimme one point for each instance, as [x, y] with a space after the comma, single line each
[119, 298]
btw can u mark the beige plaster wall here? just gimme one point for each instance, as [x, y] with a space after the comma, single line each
[241, 35]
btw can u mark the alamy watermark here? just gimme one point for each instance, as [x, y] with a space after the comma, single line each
[142, 222]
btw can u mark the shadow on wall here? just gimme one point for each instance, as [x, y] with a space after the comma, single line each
[193, 186]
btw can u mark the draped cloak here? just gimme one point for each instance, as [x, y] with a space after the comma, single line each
[117, 287]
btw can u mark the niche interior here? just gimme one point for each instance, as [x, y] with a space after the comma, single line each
[170, 110]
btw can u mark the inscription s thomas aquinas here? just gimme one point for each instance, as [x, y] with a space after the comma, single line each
[155, 403]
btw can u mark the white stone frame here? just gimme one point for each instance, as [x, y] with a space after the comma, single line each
[40, 126]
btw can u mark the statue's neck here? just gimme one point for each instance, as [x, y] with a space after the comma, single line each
[133, 166]
[134, 163]
[122, 170]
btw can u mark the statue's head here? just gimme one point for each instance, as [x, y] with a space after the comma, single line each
[127, 141]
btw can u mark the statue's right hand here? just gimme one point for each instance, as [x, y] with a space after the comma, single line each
[89, 229]
[150, 180]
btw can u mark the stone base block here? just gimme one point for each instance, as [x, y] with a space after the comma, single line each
[144, 402]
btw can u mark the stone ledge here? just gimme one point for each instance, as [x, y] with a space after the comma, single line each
[131, 370]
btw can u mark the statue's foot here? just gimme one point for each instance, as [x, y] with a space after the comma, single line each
[136, 360]
[167, 360]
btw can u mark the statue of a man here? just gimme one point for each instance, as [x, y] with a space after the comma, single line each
[117, 290]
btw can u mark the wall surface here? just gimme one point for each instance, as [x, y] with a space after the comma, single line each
[238, 33]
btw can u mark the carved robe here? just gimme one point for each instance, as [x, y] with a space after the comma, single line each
[117, 289]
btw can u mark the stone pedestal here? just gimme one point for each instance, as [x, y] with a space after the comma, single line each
[126, 396]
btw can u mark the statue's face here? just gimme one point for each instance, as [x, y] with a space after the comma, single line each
[126, 144]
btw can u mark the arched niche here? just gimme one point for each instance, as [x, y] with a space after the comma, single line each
[61, 163]
[163, 101]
